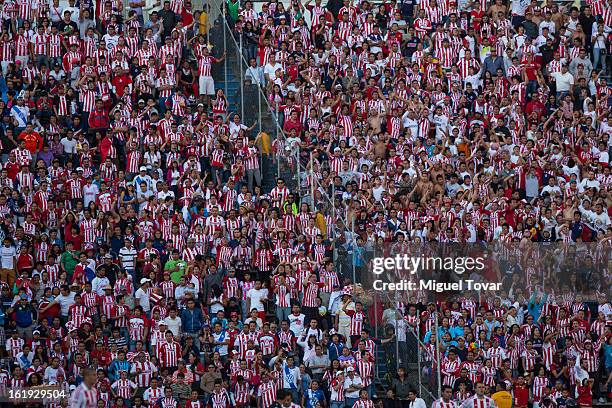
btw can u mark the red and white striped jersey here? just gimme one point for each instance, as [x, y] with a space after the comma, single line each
[311, 291]
[361, 403]
[241, 393]
[39, 44]
[497, 355]
[137, 328]
[14, 346]
[220, 399]
[144, 371]
[366, 371]
[464, 64]
[548, 352]
[152, 395]
[450, 370]
[55, 45]
[88, 228]
[77, 314]
[267, 343]
[90, 300]
[479, 402]
[590, 359]
[123, 388]
[170, 353]
[84, 397]
[267, 393]
[337, 390]
[357, 323]
[7, 50]
[168, 402]
[539, 385]
[205, 65]
[443, 404]
[88, 97]
[165, 81]
[279, 194]
[22, 45]
[473, 370]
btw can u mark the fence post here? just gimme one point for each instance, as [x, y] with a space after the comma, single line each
[418, 343]
[239, 55]
[312, 182]
[333, 201]
[297, 170]
[438, 361]
[397, 353]
[259, 107]
[376, 333]
[354, 242]
[225, 28]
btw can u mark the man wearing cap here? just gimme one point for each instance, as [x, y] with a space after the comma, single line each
[344, 315]
[23, 315]
[111, 269]
[21, 115]
[352, 386]
[142, 177]
[142, 296]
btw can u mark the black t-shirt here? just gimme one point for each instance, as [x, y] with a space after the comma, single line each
[61, 26]
[411, 46]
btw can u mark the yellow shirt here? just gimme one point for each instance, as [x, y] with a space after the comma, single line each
[321, 224]
[503, 399]
[203, 22]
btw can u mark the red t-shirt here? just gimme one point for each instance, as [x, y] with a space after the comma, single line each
[530, 70]
[585, 396]
[25, 262]
[521, 396]
[33, 141]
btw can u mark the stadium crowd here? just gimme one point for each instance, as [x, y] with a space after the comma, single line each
[143, 263]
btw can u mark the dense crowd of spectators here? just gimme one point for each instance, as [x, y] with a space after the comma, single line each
[143, 263]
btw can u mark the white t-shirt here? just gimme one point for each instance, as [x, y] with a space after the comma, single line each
[21, 114]
[551, 189]
[586, 183]
[563, 81]
[51, 374]
[291, 377]
[518, 7]
[271, 70]
[296, 323]
[8, 257]
[356, 380]
[69, 145]
[174, 325]
[606, 309]
[143, 298]
[65, 302]
[98, 283]
[75, 12]
[256, 296]
[601, 221]
[110, 40]
[90, 193]
[221, 337]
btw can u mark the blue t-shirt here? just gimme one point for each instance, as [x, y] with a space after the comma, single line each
[608, 356]
[312, 397]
